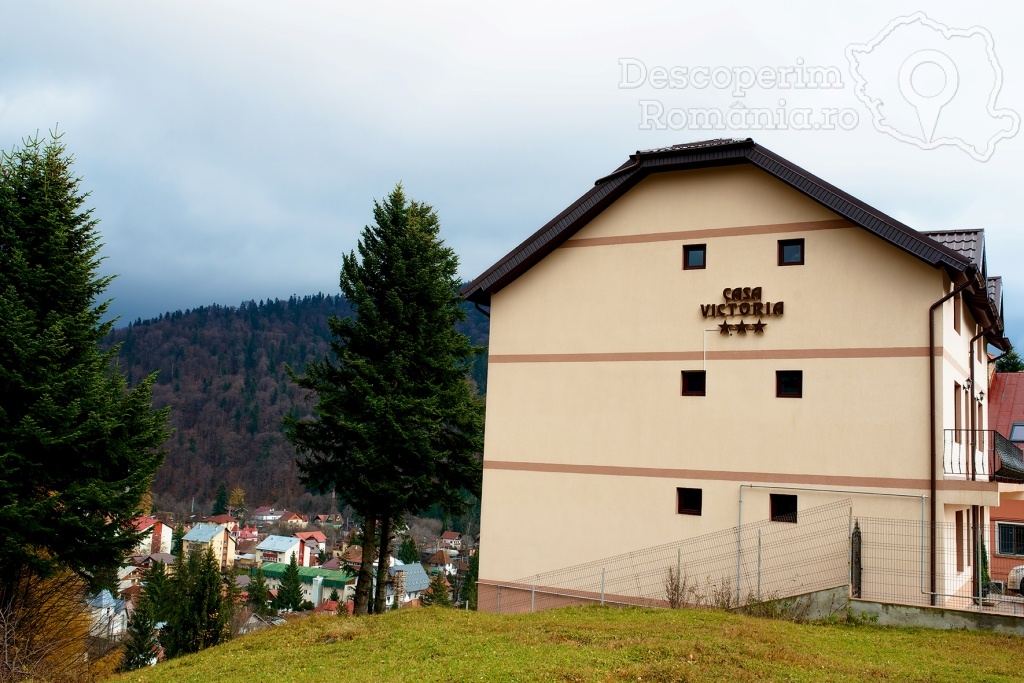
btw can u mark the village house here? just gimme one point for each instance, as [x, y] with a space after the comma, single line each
[317, 582]
[1006, 540]
[318, 539]
[226, 521]
[265, 514]
[451, 540]
[407, 581]
[156, 536]
[712, 336]
[293, 520]
[212, 536]
[281, 549]
[441, 561]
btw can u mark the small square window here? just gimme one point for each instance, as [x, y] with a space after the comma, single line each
[789, 383]
[782, 508]
[689, 501]
[791, 252]
[694, 256]
[1017, 432]
[694, 382]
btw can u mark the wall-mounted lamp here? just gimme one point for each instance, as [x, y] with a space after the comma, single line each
[981, 396]
[967, 384]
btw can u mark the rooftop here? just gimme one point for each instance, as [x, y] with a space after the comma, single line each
[278, 544]
[203, 533]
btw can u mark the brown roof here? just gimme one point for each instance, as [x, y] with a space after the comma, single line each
[1005, 401]
[333, 563]
[451, 536]
[440, 557]
[726, 152]
[317, 536]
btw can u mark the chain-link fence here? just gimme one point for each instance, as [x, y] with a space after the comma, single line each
[879, 559]
[762, 561]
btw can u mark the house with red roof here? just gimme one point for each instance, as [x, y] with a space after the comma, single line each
[156, 536]
[451, 539]
[1006, 528]
[226, 521]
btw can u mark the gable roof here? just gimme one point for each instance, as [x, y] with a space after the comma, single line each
[440, 557]
[416, 578]
[143, 523]
[317, 536]
[729, 152]
[279, 544]
[451, 536]
[203, 533]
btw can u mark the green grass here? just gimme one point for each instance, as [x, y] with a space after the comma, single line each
[593, 644]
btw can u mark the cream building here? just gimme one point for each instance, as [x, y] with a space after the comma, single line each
[710, 317]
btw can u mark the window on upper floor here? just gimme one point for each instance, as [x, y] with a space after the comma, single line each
[695, 256]
[1017, 432]
[957, 305]
[694, 382]
[689, 501]
[957, 416]
[791, 252]
[789, 383]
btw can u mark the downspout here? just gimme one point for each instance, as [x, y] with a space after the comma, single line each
[973, 445]
[931, 430]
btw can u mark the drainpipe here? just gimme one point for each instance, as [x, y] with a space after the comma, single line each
[931, 429]
[975, 530]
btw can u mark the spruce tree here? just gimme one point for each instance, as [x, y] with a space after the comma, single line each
[289, 593]
[437, 594]
[469, 591]
[141, 643]
[397, 424]
[158, 592]
[201, 615]
[220, 505]
[408, 553]
[259, 594]
[177, 539]
[78, 447]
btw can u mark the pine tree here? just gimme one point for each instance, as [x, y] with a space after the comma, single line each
[201, 615]
[177, 539]
[436, 594]
[408, 553]
[289, 593]
[1010, 362]
[78, 446]
[469, 592]
[157, 591]
[398, 426]
[141, 643]
[334, 597]
[258, 593]
[220, 505]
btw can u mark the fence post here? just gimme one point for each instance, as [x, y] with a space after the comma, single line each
[758, 565]
[602, 585]
[533, 590]
[856, 562]
[679, 563]
[499, 599]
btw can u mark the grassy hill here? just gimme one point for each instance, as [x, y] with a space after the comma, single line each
[593, 644]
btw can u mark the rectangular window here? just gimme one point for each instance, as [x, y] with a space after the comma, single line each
[694, 382]
[979, 435]
[782, 507]
[959, 540]
[1017, 431]
[695, 256]
[791, 252]
[957, 417]
[1011, 538]
[789, 383]
[956, 313]
[689, 501]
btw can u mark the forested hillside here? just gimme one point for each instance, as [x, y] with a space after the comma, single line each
[222, 372]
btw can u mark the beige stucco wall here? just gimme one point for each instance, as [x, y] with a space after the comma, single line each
[855, 322]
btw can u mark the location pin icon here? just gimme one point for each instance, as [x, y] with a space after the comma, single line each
[928, 106]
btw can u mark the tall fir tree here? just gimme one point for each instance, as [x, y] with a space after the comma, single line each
[79, 448]
[201, 614]
[469, 590]
[158, 592]
[177, 540]
[220, 504]
[397, 424]
[140, 646]
[436, 594]
[408, 553]
[289, 593]
[259, 595]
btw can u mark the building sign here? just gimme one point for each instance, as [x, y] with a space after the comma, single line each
[742, 302]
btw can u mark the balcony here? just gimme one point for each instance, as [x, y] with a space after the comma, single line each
[981, 455]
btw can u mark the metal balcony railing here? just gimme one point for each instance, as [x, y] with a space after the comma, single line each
[981, 455]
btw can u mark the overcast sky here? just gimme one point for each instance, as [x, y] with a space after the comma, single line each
[233, 149]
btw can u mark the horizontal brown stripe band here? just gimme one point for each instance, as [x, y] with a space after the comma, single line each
[768, 354]
[752, 477]
[684, 235]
